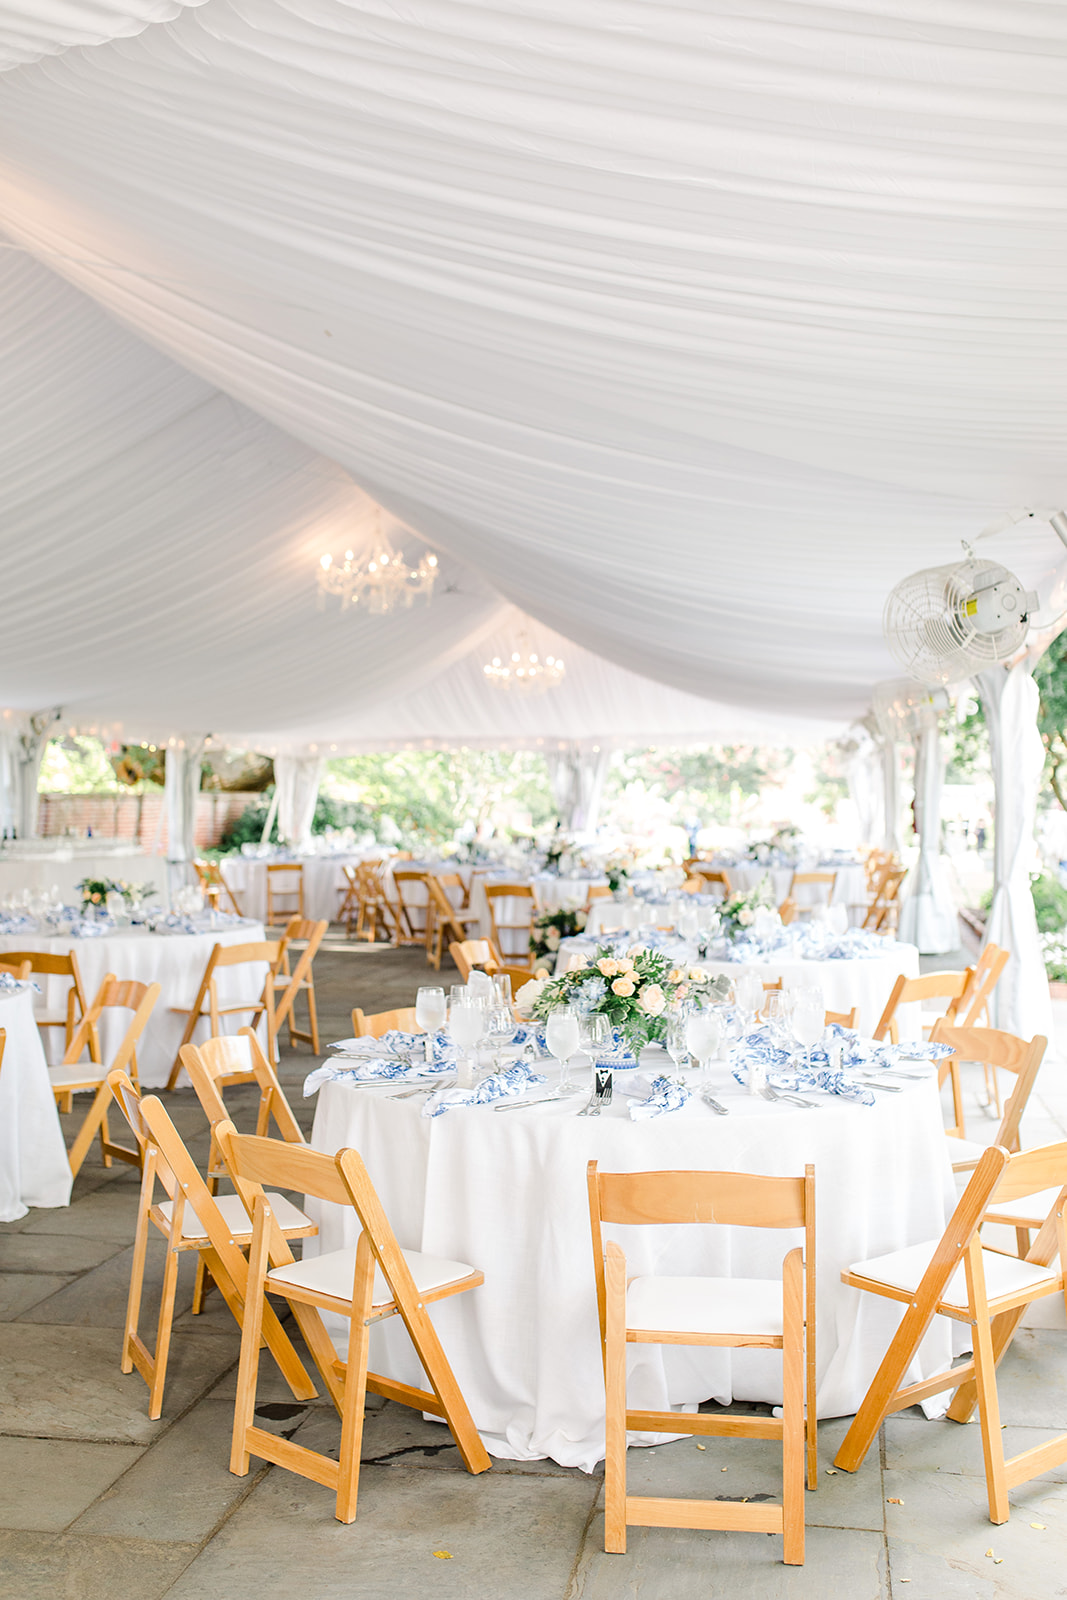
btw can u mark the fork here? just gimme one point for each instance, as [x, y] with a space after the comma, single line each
[768, 1092]
[719, 1109]
[600, 1098]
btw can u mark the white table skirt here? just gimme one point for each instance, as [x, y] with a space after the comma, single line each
[850, 889]
[175, 961]
[864, 983]
[66, 868]
[34, 1170]
[324, 884]
[507, 1194]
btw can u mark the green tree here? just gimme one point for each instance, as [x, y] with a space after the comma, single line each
[1050, 675]
[711, 782]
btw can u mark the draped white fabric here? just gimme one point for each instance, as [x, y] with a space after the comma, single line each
[928, 917]
[576, 773]
[689, 329]
[181, 787]
[296, 781]
[893, 839]
[1020, 1001]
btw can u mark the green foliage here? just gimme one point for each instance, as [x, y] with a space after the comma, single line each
[970, 748]
[245, 829]
[1050, 903]
[831, 785]
[1050, 675]
[428, 794]
[77, 764]
[711, 782]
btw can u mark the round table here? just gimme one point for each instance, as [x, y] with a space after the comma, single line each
[864, 982]
[175, 961]
[506, 1192]
[34, 1170]
[850, 889]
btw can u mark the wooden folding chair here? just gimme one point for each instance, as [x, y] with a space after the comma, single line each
[844, 1019]
[285, 883]
[374, 905]
[695, 885]
[711, 875]
[597, 891]
[470, 953]
[974, 1007]
[412, 916]
[379, 1022]
[521, 931]
[49, 964]
[216, 1065]
[444, 920]
[348, 910]
[791, 908]
[997, 1051]
[192, 1219]
[366, 1283]
[301, 980]
[266, 952]
[734, 1312]
[74, 1074]
[209, 876]
[17, 969]
[958, 1277]
[3, 1046]
[884, 906]
[950, 986]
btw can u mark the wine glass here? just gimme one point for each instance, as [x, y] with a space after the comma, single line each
[561, 1036]
[703, 1035]
[594, 1031]
[466, 1024]
[748, 992]
[430, 1013]
[677, 1040]
[499, 1027]
[809, 1019]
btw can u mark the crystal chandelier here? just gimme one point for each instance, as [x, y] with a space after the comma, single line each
[525, 670]
[379, 581]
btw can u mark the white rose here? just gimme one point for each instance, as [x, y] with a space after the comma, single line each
[529, 993]
[697, 975]
[652, 999]
[552, 938]
[746, 917]
[607, 966]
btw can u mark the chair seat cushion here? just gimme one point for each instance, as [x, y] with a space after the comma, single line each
[333, 1274]
[964, 1152]
[705, 1305]
[1029, 1210]
[235, 1216]
[82, 1075]
[903, 1269]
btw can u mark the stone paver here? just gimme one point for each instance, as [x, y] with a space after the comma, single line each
[47, 1483]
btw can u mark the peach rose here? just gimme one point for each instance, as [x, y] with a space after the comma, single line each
[624, 986]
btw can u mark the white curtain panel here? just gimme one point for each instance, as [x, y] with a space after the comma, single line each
[181, 786]
[1009, 698]
[928, 916]
[863, 774]
[296, 780]
[893, 838]
[576, 773]
[689, 330]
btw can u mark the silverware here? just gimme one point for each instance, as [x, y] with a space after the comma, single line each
[600, 1098]
[768, 1092]
[423, 1088]
[543, 1100]
[719, 1109]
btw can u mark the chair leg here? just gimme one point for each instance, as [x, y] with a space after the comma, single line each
[353, 1410]
[94, 1119]
[879, 1397]
[163, 1330]
[793, 1411]
[615, 1403]
[244, 1409]
[140, 1251]
[985, 1378]
[313, 1018]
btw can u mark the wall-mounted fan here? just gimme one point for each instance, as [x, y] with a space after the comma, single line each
[946, 623]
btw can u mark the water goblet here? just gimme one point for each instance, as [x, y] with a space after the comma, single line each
[430, 1013]
[677, 1040]
[561, 1037]
[594, 1032]
[748, 993]
[499, 1027]
[466, 1024]
[808, 1020]
[703, 1035]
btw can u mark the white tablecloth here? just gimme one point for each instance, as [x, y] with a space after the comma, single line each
[862, 982]
[850, 889]
[324, 884]
[506, 1192]
[175, 961]
[550, 894]
[34, 1170]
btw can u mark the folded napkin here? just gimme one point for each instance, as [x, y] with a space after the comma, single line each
[91, 930]
[396, 1043]
[383, 1070]
[510, 1084]
[661, 1094]
[9, 984]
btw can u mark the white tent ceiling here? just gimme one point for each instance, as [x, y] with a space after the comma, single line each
[687, 329]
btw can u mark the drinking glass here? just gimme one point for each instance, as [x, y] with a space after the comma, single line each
[499, 1027]
[703, 1035]
[748, 992]
[502, 990]
[561, 1036]
[594, 1031]
[808, 1019]
[480, 983]
[466, 1024]
[677, 1040]
[430, 1013]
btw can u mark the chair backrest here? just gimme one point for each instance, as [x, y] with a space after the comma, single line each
[237, 955]
[128, 1100]
[379, 1022]
[985, 976]
[884, 895]
[949, 986]
[809, 882]
[208, 874]
[139, 998]
[844, 1019]
[498, 896]
[17, 969]
[444, 908]
[731, 1199]
[597, 891]
[712, 875]
[3, 1045]
[508, 891]
[311, 935]
[53, 964]
[413, 911]
[471, 953]
[1005, 1051]
[301, 929]
[235, 1059]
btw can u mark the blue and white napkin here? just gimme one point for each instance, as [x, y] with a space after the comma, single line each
[396, 1043]
[655, 1095]
[510, 1084]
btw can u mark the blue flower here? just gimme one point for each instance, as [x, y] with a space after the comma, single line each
[588, 995]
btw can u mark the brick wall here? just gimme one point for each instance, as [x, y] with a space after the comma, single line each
[136, 817]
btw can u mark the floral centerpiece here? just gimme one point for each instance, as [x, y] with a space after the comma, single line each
[738, 912]
[96, 890]
[552, 927]
[617, 869]
[636, 992]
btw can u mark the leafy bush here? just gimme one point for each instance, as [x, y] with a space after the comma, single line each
[1050, 903]
[245, 829]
